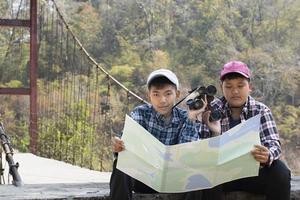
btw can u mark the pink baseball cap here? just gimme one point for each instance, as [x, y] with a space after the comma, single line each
[235, 67]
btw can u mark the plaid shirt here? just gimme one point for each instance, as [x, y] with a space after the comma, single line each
[268, 132]
[179, 130]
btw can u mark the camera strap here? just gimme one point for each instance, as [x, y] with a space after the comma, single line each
[190, 92]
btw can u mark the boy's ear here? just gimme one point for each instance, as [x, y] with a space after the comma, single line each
[221, 88]
[177, 93]
[148, 94]
[250, 87]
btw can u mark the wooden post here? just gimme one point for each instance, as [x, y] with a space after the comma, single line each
[33, 129]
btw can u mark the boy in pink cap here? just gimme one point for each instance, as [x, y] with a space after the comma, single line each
[237, 105]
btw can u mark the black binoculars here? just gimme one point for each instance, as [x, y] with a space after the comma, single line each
[197, 102]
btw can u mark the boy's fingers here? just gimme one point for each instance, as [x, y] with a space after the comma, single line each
[204, 101]
[206, 115]
[260, 153]
[261, 148]
[117, 144]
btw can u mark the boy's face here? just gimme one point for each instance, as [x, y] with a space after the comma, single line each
[236, 91]
[163, 98]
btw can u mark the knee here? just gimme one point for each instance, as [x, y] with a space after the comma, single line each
[279, 173]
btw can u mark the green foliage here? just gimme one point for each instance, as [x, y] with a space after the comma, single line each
[14, 84]
[287, 118]
[71, 137]
[200, 36]
[13, 111]
[122, 73]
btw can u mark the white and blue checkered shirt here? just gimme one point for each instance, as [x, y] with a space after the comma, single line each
[179, 130]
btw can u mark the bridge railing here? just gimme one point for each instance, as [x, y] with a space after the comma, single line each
[80, 105]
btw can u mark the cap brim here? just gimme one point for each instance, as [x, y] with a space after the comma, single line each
[241, 73]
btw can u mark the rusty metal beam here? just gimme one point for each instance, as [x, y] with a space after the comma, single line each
[33, 129]
[32, 90]
[15, 91]
[15, 22]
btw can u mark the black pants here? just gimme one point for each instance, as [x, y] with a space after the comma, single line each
[122, 185]
[273, 181]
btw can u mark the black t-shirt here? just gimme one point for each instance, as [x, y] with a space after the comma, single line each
[234, 122]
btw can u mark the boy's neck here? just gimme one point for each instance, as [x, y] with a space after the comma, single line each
[236, 112]
[167, 115]
[167, 119]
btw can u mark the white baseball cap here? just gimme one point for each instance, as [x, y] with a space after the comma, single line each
[163, 73]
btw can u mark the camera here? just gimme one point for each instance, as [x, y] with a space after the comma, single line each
[197, 102]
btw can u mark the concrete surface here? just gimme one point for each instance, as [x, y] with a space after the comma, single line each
[38, 170]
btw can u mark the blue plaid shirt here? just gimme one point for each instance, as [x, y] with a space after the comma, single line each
[268, 132]
[178, 130]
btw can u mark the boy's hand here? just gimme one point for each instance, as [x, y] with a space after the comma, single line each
[214, 126]
[117, 144]
[261, 154]
[197, 114]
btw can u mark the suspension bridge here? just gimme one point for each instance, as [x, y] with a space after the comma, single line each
[70, 117]
[64, 94]
[67, 105]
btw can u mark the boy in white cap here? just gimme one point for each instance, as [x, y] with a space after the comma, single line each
[169, 125]
[237, 105]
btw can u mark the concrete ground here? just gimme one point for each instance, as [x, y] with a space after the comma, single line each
[86, 191]
[38, 170]
[45, 178]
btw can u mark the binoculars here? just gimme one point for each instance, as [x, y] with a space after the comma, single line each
[197, 102]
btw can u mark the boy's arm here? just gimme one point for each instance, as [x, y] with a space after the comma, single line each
[205, 131]
[194, 128]
[189, 131]
[269, 136]
[210, 128]
[191, 126]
